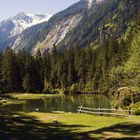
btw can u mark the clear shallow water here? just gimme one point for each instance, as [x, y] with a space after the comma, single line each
[68, 103]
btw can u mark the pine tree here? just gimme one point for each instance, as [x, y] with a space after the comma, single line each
[82, 68]
[0, 73]
[54, 67]
[47, 71]
[40, 69]
[21, 61]
[27, 83]
[71, 74]
[9, 71]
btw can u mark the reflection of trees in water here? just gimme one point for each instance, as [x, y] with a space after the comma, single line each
[53, 103]
[14, 107]
[33, 105]
[68, 103]
[95, 101]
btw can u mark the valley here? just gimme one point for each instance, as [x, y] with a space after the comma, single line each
[87, 54]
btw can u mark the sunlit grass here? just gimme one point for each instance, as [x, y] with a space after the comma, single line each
[92, 122]
[74, 123]
[25, 96]
[88, 123]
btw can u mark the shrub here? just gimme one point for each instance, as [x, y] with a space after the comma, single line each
[137, 112]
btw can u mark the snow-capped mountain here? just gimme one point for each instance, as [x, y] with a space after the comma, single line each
[15, 25]
[83, 23]
[54, 31]
[57, 29]
[12, 27]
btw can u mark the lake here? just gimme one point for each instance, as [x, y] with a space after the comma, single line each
[66, 103]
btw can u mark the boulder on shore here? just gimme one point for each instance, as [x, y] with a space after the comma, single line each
[4, 101]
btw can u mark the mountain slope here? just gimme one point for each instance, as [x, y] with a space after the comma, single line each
[14, 26]
[83, 23]
[86, 23]
[54, 31]
[108, 19]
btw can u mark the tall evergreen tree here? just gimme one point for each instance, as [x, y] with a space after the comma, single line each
[9, 71]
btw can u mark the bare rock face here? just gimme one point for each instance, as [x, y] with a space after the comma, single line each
[58, 33]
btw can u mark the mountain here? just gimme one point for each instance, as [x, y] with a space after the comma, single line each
[85, 23]
[108, 19]
[45, 35]
[13, 26]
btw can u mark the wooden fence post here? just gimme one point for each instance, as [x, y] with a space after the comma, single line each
[99, 110]
[129, 111]
[104, 111]
[80, 109]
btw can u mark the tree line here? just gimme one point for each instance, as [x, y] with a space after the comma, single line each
[102, 68]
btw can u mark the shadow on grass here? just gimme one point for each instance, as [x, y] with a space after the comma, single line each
[14, 126]
[6, 96]
[122, 131]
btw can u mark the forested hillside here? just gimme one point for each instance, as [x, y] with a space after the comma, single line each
[111, 18]
[113, 64]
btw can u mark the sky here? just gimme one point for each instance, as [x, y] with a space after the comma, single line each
[9, 8]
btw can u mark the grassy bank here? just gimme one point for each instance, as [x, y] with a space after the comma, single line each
[91, 122]
[62, 126]
[19, 98]
[27, 96]
[55, 126]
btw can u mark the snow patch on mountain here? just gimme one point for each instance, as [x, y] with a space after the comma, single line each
[21, 22]
[98, 1]
[90, 2]
[24, 21]
[35, 19]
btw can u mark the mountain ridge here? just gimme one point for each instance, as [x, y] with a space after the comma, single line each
[79, 25]
[42, 36]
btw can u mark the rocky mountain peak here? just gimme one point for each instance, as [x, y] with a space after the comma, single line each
[15, 25]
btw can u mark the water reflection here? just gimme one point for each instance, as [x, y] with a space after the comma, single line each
[67, 103]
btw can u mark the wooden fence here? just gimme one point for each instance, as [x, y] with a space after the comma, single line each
[104, 111]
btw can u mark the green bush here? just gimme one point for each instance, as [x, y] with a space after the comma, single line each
[74, 87]
[137, 112]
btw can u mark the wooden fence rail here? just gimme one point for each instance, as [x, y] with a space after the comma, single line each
[104, 111]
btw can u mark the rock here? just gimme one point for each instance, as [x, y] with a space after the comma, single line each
[4, 101]
[55, 121]
[37, 109]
